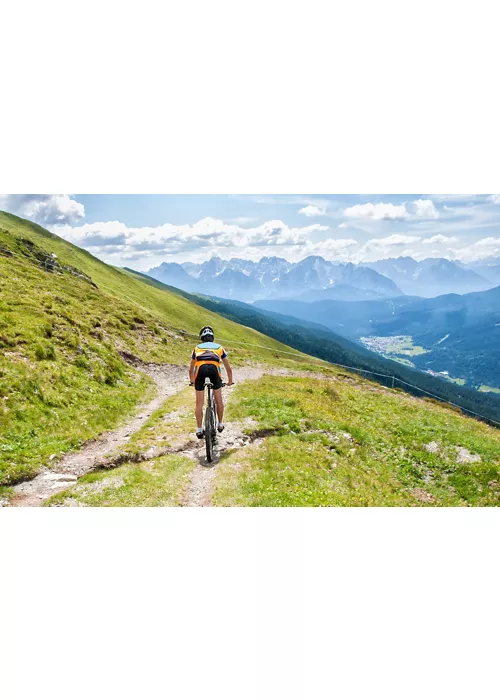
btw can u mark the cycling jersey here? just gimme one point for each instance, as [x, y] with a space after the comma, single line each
[208, 354]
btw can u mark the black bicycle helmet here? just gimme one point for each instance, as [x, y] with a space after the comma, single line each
[207, 334]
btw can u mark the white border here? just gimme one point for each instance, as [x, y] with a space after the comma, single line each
[269, 96]
[224, 603]
[265, 97]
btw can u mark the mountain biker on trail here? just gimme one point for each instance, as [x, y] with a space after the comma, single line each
[205, 362]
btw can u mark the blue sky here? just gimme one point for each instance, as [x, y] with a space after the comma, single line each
[141, 231]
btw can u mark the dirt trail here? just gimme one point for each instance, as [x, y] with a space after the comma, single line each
[199, 491]
[169, 380]
[200, 488]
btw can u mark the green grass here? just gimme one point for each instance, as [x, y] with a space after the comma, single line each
[169, 426]
[457, 380]
[158, 482]
[55, 411]
[5, 495]
[62, 378]
[336, 444]
[323, 442]
[394, 345]
[405, 346]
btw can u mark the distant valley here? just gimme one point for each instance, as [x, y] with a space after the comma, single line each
[454, 334]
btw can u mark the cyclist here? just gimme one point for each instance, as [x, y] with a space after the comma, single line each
[205, 362]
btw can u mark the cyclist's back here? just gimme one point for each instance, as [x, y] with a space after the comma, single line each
[207, 357]
[206, 363]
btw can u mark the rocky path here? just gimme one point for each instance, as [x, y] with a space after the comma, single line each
[200, 488]
[168, 379]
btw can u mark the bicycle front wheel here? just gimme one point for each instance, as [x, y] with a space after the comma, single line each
[209, 433]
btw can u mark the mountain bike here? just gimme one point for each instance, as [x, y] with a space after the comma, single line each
[210, 420]
[210, 431]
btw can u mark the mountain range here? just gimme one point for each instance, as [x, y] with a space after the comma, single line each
[274, 277]
[489, 269]
[432, 276]
[315, 278]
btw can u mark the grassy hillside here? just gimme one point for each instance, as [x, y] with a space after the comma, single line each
[331, 441]
[352, 444]
[64, 321]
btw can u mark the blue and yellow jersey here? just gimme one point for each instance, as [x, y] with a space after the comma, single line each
[208, 354]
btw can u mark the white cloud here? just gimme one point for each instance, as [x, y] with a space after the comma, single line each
[381, 211]
[120, 244]
[385, 211]
[483, 248]
[439, 238]
[243, 220]
[395, 239]
[328, 248]
[425, 209]
[115, 237]
[143, 247]
[311, 210]
[389, 246]
[340, 249]
[44, 209]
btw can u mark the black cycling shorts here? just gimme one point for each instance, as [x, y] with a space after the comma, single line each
[212, 373]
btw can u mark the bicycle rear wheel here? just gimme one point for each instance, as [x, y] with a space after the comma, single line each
[209, 432]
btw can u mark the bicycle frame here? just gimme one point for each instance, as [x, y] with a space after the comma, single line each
[210, 418]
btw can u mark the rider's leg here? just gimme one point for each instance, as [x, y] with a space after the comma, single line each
[219, 403]
[200, 397]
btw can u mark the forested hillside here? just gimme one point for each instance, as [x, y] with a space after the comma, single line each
[459, 334]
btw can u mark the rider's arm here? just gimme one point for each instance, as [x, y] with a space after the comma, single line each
[228, 370]
[191, 371]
